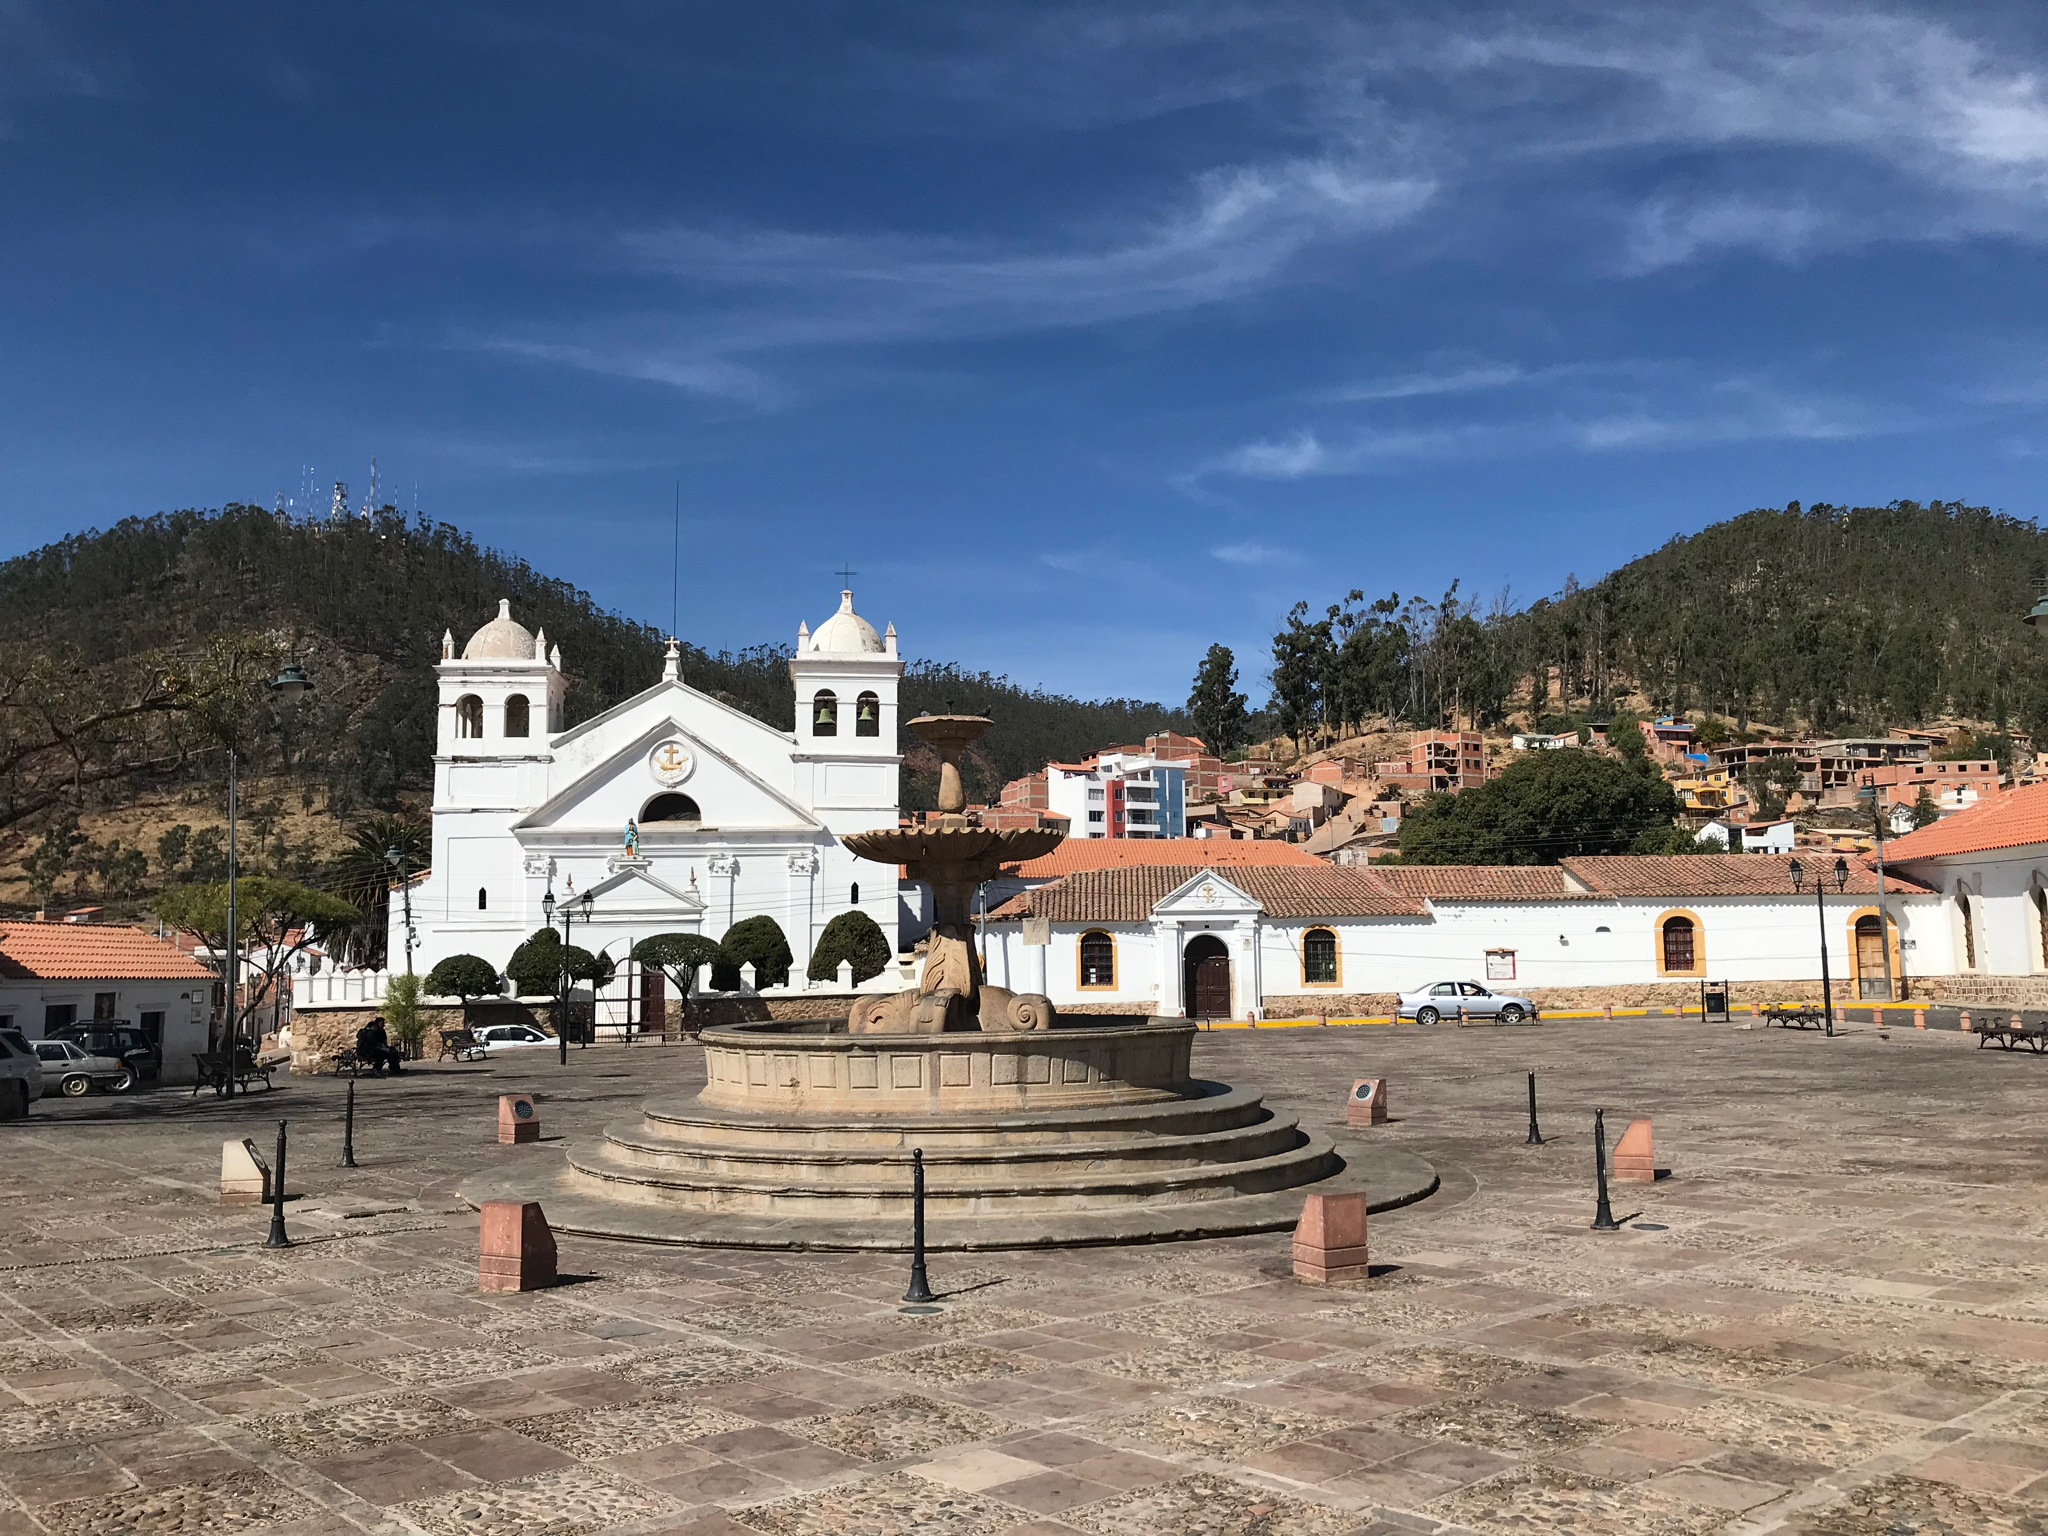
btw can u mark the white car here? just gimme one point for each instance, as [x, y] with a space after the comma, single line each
[510, 1037]
[78, 1072]
[18, 1064]
[1443, 999]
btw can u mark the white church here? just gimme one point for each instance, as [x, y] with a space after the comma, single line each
[670, 812]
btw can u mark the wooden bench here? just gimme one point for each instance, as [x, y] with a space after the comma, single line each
[2009, 1034]
[214, 1070]
[1797, 1016]
[346, 1060]
[462, 1044]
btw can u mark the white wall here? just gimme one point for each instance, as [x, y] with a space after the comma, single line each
[184, 1005]
[2007, 923]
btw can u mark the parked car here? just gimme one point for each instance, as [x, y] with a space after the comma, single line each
[510, 1037]
[1443, 999]
[20, 1064]
[116, 1038]
[78, 1072]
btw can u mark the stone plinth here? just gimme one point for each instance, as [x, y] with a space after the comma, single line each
[1329, 1240]
[244, 1175]
[1634, 1162]
[1368, 1102]
[515, 1247]
[518, 1119]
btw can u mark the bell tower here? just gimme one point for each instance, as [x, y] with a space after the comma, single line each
[846, 679]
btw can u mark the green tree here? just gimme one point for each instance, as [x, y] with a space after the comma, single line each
[402, 1011]
[1216, 710]
[1770, 782]
[678, 956]
[1625, 736]
[757, 941]
[1925, 812]
[171, 848]
[1301, 660]
[1544, 807]
[1671, 839]
[537, 966]
[52, 856]
[463, 976]
[851, 936]
[209, 854]
[274, 921]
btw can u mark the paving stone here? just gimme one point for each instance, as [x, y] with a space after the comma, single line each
[592, 1433]
[433, 1367]
[1499, 1426]
[1541, 1501]
[693, 1365]
[943, 1363]
[80, 1418]
[897, 1427]
[895, 1505]
[247, 1501]
[1910, 1506]
[563, 1502]
[366, 1421]
[1214, 1425]
[1206, 1505]
[1185, 1365]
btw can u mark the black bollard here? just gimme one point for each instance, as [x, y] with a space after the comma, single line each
[1535, 1136]
[348, 1128]
[277, 1239]
[1603, 1218]
[920, 1288]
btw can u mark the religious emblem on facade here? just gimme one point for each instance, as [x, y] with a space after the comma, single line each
[1208, 895]
[671, 762]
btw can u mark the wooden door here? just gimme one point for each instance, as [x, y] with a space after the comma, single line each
[653, 999]
[1207, 978]
[1870, 960]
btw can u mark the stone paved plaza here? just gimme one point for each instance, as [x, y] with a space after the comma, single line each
[1831, 1319]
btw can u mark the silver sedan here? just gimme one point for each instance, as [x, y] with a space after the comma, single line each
[1443, 999]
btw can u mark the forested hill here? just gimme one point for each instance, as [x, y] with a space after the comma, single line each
[1834, 618]
[92, 622]
[1831, 615]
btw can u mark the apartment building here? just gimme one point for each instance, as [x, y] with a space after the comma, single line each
[1438, 760]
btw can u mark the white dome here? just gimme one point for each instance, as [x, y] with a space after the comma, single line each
[846, 631]
[503, 639]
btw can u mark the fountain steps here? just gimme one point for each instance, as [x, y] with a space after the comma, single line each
[1158, 1164]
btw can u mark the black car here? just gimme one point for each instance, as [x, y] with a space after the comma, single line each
[125, 1042]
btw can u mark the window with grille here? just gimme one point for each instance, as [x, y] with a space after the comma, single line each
[1678, 944]
[1319, 957]
[1098, 959]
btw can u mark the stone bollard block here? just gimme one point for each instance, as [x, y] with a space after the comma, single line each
[1609, 1011]
[518, 1119]
[1368, 1102]
[1329, 1240]
[515, 1247]
[1919, 1018]
[244, 1175]
[1968, 1027]
[1634, 1163]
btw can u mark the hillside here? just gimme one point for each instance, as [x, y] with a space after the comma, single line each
[1833, 618]
[129, 657]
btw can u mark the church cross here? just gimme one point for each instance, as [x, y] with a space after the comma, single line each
[846, 575]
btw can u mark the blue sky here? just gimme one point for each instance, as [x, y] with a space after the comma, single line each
[1157, 318]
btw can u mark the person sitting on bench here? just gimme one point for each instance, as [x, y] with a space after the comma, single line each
[375, 1050]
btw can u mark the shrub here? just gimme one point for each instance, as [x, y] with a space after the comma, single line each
[402, 1012]
[851, 936]
[463, 976]
[536, 965]
[756, 941]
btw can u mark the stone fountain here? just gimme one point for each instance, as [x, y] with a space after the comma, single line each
[1036, 1131]
[953, 856]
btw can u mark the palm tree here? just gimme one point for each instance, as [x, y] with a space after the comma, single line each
[362, 875]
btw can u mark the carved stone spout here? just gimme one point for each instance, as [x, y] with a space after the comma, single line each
[954, 857]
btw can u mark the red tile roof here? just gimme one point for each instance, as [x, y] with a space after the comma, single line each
[1683, 875]
[1482, 882]
[1129, 894]
[1079, 853]
[92, 952]
[2013, 820]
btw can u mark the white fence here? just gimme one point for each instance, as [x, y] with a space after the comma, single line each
[355, 989]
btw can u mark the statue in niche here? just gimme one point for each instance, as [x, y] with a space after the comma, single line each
[632, 838]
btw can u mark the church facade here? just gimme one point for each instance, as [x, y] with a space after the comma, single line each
[669, 812]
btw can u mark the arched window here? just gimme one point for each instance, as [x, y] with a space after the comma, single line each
[483, 899]
[469, 717]
[1098, 959]
[516, 715]
[1678, 933]
[867, 715]
[1319, 958]
[854, 899]
[670, 808]
[825, 713]
[1969, 932]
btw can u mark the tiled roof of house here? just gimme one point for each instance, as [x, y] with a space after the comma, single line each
[1684, 875]
[1482, 882]
[92, 952]
[2013, 820]
[1078, 853]
[1129, 894]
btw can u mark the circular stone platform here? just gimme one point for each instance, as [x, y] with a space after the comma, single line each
[802, 1138]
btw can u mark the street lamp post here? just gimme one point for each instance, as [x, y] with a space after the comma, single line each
[1820, 885]
[548, 907]
[1879, 815]
[395, 856]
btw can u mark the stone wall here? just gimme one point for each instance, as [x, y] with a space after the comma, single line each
[1981, 991]
[317, 1033]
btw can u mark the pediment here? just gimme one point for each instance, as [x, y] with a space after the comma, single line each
[621, 784]
[1206, 895]
[623, 888]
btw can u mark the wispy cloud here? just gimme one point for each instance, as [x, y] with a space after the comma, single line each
[1251, 552]
[1453, 381]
